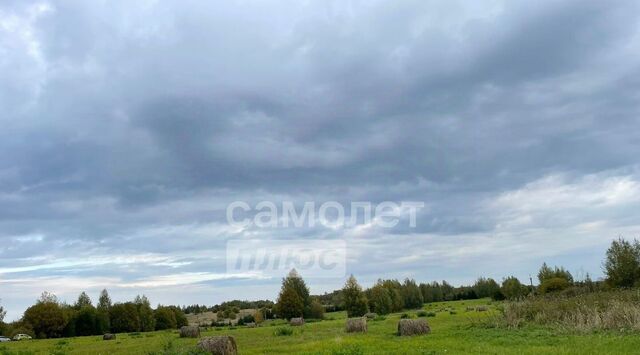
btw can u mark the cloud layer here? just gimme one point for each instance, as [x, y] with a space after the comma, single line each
[128, 128]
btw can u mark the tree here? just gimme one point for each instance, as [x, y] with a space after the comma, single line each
[259, 316]
[181, 319]
[165, 318]
[486, 287]
[622, 265]
[83, 301]
[3, 313]
[431, 292]
[295, 281]
[46, 317]
[287, 306]
[48, 297]
[512, 288]
[103, 323]
[69, 313]
[411, 295]
[355, 302]
[555, 279]
[394, 287]
[86, 321]
[379, 300]
[547, 273]
[290, 304]
[316, 310]
[104, 301]
[124, 318]
[145, 313]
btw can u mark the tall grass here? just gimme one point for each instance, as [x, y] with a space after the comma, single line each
[605, 310]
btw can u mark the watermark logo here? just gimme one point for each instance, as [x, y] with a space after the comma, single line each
[274, 258]
[267, 214]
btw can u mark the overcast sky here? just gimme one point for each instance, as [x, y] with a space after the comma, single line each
[126, 128]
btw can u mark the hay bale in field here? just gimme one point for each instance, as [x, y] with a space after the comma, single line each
[190, 331]
[356, 325]
[109, 336]
[296, 321]
[413, 327]
[371, 315]
[251, 325]
[470, 308]
[220, 345]
[482, 309]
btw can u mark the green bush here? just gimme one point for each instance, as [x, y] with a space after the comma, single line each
[283, 331]
[421, 313]
[554, 284]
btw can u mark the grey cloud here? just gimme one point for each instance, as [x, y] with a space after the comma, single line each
[128, 128]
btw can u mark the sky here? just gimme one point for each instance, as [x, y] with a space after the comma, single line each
[127, 128]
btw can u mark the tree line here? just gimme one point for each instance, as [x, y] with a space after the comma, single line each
[50, 318]
[621, 267]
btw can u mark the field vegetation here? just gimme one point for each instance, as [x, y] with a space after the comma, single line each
[561, 315]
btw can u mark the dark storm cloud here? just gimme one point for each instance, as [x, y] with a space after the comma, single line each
[126, 129]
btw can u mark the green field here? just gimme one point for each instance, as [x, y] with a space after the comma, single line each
[454, 331]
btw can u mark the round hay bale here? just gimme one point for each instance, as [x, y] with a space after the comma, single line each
[371, 315]
[190, 331]
[220, 345]
[482, 309]
[109, 336]
[296, 321]
[356, 325]
[251, 325]
[407, 327]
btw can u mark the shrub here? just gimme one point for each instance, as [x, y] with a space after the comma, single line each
[554, 284]
[421, 313]
[316, 310]
[512, 288]
[283, 331]
[405, 316]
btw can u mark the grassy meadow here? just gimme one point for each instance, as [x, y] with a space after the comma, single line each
[456, 329]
